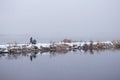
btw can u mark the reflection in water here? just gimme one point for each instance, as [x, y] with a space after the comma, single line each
[34, 54]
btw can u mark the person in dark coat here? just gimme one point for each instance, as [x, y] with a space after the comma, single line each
[31, 40]
[34, 41]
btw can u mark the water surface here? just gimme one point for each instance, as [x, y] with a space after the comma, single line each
[79, 65]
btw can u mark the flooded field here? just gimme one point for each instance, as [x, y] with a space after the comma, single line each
[70, 65]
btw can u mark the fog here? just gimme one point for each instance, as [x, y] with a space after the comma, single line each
[61, 18]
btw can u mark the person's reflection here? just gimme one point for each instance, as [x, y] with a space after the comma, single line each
[31, 58]
[33, 55]
[91, 51]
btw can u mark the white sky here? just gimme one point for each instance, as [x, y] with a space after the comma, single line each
[60, 17]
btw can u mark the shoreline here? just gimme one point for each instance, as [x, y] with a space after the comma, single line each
[65, 45]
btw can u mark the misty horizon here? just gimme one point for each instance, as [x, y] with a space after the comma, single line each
[60, 18]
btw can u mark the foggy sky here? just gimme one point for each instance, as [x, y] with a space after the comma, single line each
[60, 17]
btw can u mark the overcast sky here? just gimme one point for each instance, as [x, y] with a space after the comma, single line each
[60, 17]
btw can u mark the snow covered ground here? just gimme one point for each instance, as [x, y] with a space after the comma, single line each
[6, 47]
